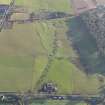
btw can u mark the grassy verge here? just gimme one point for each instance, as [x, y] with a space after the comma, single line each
[56, 102]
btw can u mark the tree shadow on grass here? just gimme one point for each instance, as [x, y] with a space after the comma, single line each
[86, 46]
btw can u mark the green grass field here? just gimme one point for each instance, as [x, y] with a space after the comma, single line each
[74, 79]
[59, 5]
[55, 5]
[24, 54]
[45, 31]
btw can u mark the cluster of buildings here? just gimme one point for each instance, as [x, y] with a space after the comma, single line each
[48, 88]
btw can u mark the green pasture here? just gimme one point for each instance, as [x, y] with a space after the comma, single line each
[45, 31]
[68, 77]
[31, 43]
[55, 5]
[4, 1]
[21, 40]
[18, 49]
[57, 102]
[15, 73]
[39, 65]
[24, 54]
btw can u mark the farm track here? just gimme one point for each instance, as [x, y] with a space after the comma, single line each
[51, 57]
[38, 19]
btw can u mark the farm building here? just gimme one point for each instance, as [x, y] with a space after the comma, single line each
[48, 88]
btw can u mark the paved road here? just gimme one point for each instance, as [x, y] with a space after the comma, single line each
[92, 100]
[25, 99]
